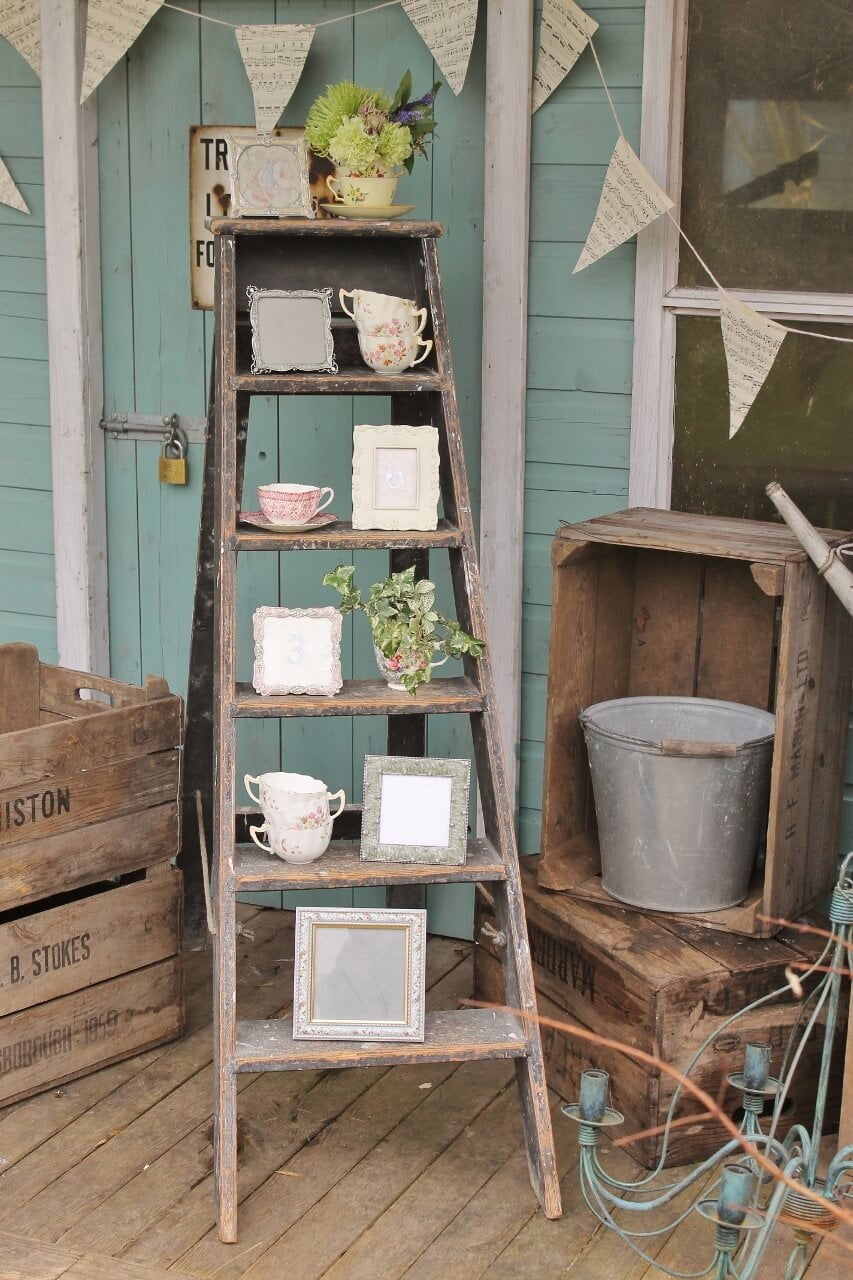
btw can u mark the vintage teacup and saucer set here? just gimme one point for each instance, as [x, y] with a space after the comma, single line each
[297, 817]
[356, 197]
[291, 507]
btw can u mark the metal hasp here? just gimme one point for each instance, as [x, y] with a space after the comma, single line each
[761, 1180]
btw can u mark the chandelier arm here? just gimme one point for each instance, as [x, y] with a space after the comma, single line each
[752, 1254]
[842, 1162]
[826, 1058]
[793, 1062]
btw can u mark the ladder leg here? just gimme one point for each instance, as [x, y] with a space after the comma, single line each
[225, 1136]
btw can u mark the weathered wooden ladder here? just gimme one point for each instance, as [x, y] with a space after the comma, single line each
[397, 258]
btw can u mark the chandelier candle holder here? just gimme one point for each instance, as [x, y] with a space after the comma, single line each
[762, 1180]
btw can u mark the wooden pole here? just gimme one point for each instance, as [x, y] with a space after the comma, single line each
[509, 61]
[73, 269]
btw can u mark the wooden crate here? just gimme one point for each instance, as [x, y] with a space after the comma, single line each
[656, 984]
[87, 978]
[659, 602]
[88, 788]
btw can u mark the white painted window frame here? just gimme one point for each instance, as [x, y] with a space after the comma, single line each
[659, 298]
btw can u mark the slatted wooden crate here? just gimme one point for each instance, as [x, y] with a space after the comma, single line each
[87, 978]
[90, 907]
[88, 788]
[657, 984]
[659, 602]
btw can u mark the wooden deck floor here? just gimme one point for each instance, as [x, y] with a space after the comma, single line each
[352, 1175]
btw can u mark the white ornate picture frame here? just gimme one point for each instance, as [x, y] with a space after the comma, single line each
[395, 477]
[269, 179]
[359, 974]
[297, 650]
[291, 330]
[415, 810]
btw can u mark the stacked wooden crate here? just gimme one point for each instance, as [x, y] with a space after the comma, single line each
[90, 906]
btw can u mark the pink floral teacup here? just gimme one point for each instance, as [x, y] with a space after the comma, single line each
[382, 315]
[293, 846]
[390, 355]
[292, 504]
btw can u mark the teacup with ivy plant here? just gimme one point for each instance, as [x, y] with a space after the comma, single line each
[370, 137]
[408, 631]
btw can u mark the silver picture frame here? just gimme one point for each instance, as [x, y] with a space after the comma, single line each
[395, 477]
[291, 330]
[415, 810]
[269, 177]
[359, 974]
[297, 650]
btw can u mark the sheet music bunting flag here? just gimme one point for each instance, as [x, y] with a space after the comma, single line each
[563, 35]
[9, 193]
[273, 55]
[20, 24]
[751, 343]
[630, 199]
[447, 29]
[111, 28]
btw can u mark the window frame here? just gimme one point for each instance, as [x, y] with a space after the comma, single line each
[659, 298]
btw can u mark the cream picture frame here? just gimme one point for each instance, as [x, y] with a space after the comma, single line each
[359, 974]
[395, 477]
[297, 650]
[269, 179]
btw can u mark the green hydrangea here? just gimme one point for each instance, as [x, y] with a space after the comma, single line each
[394, 144]
[334, 106]
[351, 147]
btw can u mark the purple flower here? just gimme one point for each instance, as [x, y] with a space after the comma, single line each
[405, 115]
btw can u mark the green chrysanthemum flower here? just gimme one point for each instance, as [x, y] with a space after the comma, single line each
[339, 102]
[351, 147]
[394, 144]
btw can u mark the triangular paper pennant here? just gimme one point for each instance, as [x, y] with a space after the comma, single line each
[564, 34]
[447, 29]
[273, 55]
[9, 193]
[630, 199]
[751, 343]
[111, 28]
[20, 24]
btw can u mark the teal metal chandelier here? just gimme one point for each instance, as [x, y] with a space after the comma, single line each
[762, 1180]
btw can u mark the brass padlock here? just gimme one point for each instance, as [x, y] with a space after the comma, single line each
[172, 468]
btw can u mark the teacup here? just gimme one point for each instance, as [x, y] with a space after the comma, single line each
[293, 846]
[379, 315]
[288, 504]
[393, 355]
[374, 193]
[293, 801]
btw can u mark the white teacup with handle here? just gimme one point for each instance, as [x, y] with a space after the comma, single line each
[393, 354]
[380, 315]
[293, 801]
[295, 847]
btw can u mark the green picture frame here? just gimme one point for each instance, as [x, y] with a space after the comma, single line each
[415, 810]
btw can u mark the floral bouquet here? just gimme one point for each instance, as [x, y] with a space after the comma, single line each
[366, 133]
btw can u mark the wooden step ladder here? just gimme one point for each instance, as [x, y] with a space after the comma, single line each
[398, 258]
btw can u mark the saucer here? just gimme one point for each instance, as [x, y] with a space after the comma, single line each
[367, 210]
[316, 522]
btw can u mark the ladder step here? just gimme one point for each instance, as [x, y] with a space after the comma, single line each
[348, 382]
[364, 698]
[341, 867]
[342, 536]
[462, 1035]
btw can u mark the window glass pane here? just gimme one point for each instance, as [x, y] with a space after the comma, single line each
[799, 430]
[767, 194]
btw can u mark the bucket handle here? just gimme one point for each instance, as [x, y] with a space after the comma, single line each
[681, 747]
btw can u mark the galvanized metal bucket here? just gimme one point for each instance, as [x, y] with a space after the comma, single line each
[681, 787]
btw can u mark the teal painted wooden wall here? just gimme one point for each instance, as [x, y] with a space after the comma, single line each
[27, 603]
[579, 348]
[179, 73]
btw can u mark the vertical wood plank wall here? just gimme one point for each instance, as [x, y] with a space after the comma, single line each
[27, 599]
[579, 347]
[156, 353]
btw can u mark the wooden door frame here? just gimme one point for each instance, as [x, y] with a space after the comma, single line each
[506, 215]
[75, 348]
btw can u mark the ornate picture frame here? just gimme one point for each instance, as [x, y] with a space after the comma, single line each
[297, 650]
[269, 179]
[395, 477]
[415, 810]
[359, 974]
[291, 330]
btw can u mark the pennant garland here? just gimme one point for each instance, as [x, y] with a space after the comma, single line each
[564, 34]
[630, 199]
[20, 24]
[447, 29]
[751, 343]
[9, 193]
[111, 28]
[273, 55]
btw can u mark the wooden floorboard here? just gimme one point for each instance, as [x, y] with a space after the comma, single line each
[402, 1173]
